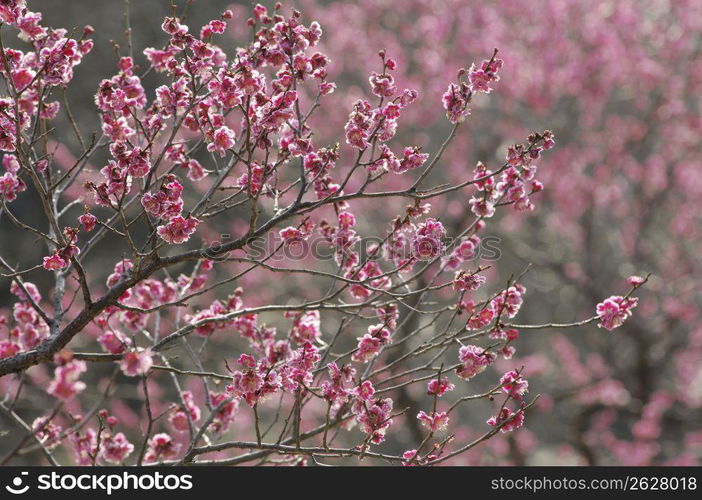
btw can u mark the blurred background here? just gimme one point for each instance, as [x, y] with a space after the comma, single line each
[619, 83]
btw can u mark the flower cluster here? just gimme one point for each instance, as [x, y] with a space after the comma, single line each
[61, 258]
[136, 362]
[459, 95]
[427, 242]
[161, 447]
[336, 390]
[517, 180]
[306, 327]
[439, 387]
[435, 422]
[29, 328]
[507, 420]
[474, 361]
[342, 239]
[514, 384]
[10, 182]
[296, 235]
[376, 125]
[373, 414]
[65, 383]
[370, 344]
[178, 230]
[614, 311]
[114, 447]
[165, 203]
[467, 281]
[227, 406]
[47, 432]
[182, 416]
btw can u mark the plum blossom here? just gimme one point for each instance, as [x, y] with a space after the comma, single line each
[507, 420]
[47, 432]
[161, 447]
[65, 383]
[265, 91]
[514, 384]
[228, 409]
[455, 101]
[114, 341]
[178, 230]
[84, 446]
[480, 78]
[167, 201]
[182, 415]
[438, 388]
[435, 422]
[372, 414]
[475, 360]
[335, 389]
[115, 448]
[467, 281]
[411, 159]
[369, 344]
[427, 241]
[306, 327]
[136, 362]
[88, 221]
[613, 311]
[55, 262]
[222, 140]
[635, 281]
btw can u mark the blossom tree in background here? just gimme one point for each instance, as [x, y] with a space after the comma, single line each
[286, 290]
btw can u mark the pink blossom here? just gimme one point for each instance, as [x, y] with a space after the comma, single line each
[222, 140]
[88, 221]
[291, 235]
[47, 432]
[178, 230]
[455, 100]
[227, 412]
[435, 422]
[482, 207]
[507, 420]
[55, 262]
[373, 415]
[412, 159]
[84, 446]
[369, 345]
[635, 281]
[467, 282]
[115, 449]
[514, 385]
[65, 384]
[115, 342]
[427, 242]
[182, 415]
[196, 172]
[161, 447]
[475, 360]
[137, 362]
[306, 327]
[364, 391]
[486, 74]
[326, 88]
[383, 85]
[614, 311]
[438, 388]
